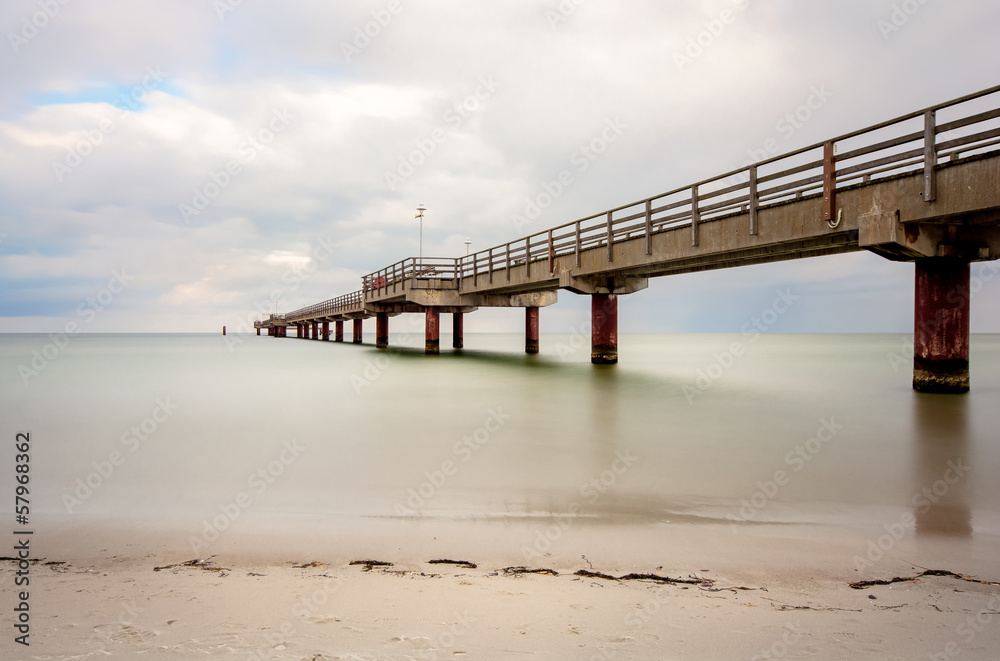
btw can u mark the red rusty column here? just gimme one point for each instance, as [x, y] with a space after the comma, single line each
[258, 332]
[457, 331]
[298, 331]
[941, 326]
[308, 329]
[357, 330]
[315, 330]
[338, 335]
[531, 330]
[432, 331]
[326, 331]
[604, 329]
[381, 330]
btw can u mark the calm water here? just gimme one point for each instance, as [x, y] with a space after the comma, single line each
[801, 428]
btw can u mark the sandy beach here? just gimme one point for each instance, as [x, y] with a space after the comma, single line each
[768, 597]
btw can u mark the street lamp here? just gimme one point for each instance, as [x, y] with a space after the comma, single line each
[420, 214]
[468, 243]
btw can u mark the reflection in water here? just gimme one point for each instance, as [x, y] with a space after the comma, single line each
[941, 478]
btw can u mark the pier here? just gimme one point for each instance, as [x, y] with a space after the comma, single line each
[923, 188]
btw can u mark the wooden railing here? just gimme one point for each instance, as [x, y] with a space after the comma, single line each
[394, 277]
[346, 303]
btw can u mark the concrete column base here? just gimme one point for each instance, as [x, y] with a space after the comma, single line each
[604, 329]
[531, 330]
[381, 331]
[432, 332]
[941, 326]
[457, 331]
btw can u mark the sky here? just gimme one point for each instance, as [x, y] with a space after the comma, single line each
[180, 165]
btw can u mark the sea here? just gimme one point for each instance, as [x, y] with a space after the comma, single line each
[316, 447]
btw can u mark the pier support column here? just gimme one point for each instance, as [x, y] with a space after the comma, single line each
[258, 332]
[531, 330]
[326, 331]
[457, 331]
[381, 330]
[432, 331]
[941, 326]
[338, 335]
[604, 329]
[357, 330]
[314, 331]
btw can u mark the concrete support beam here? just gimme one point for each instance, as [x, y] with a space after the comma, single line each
[381, 331]
[602, 285]
[604, 329]
[457, 330]
[432, 331]
[357, 330]
[941, 326]
[338, 334]
[531, 330]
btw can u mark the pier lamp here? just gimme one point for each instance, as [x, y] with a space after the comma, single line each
[468, 244]
[420, 214]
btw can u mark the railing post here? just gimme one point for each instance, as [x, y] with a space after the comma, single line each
[475, 270]
[611, 239]
[552, 254]
[829, 182]
[527, 256]
[576, 248]
[491, 265]
[508, 263]
[754, 200]
[458, 274]
[649, 227]
[930, 156]
[695, 215]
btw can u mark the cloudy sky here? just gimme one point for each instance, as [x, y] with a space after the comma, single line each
[175, 165]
